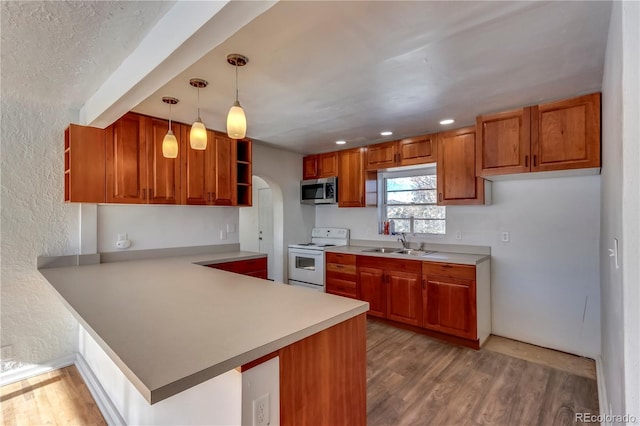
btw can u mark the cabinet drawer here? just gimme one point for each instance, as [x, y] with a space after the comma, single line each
[345, 259]
[338, 267]
[342, 287]
[449, 270]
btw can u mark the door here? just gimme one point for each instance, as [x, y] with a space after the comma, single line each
[457, 182]
[403, 297]
[163, 174]
[225, 171]
[306, 266]
[127, 160]
[450, 305]
[265, 226]
[351, 178]
[371, 283]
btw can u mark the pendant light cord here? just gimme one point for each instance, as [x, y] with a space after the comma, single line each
[199, 104]
[236, 81]
[169, 117]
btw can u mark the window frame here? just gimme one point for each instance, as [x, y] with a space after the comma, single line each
[382, 196]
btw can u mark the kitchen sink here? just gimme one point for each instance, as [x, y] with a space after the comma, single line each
[381, 250]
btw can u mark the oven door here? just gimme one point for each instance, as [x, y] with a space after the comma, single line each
[306, 266]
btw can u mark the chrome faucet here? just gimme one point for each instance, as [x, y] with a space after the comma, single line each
[403, 240]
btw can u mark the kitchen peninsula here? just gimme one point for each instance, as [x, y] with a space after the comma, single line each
[171, 326]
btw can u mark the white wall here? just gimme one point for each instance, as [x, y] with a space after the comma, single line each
[541, 279]
[150, 226]
[621, 212]
[283, 170]
[35, 221]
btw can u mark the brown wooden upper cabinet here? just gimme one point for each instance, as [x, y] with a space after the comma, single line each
[554, 136]
[163, 174]
[405, 152]
[84, 164]
[320, 166]
[351, 180]
[457, 181]
[209, 174]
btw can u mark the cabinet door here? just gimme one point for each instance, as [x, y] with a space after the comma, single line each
[351, 178]
[163, 174]
[84, 158]
[382, 156]
[504, 142]
[418, 150]
[225, 171]
[457, 182]
[328, 165]
[127, 160]
[371, 287]
[566, 134]
[403, 297]
[310, 167]
[199, 171]
[450, 306]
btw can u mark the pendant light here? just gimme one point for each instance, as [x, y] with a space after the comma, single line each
[170, 143]
[236, 120]
[198, 134]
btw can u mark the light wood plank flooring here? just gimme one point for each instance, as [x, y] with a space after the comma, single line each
[416, 380]
[59, 397]
[411, 380]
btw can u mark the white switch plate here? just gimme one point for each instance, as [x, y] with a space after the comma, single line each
[231, 227]
[223, 234]
[504, 237]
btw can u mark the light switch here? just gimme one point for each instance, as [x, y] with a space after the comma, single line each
[223, 234]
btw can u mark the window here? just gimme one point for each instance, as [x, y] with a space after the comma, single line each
[409, 199]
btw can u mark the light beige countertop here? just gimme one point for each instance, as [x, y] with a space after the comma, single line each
[438, 256]
[170, 324]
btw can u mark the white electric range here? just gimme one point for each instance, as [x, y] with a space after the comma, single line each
[306, 260]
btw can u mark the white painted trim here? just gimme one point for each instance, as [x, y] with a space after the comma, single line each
[106, 406]
[33, 370]
[603, 401]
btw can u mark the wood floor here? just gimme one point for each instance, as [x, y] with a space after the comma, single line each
[59, 397]
[416, 380]
[411, 380]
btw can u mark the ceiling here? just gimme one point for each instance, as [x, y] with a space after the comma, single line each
[323, 71]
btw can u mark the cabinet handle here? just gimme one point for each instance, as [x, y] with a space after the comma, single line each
[424, 284]
[535, 160]
[144, 193]
[209, 195]
[151, 193]
[526, 161]
[440, 196]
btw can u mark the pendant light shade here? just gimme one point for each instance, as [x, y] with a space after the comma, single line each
[198, 134]
[236, 120]
[170, 143]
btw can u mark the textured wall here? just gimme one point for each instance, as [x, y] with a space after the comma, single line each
[35, 222]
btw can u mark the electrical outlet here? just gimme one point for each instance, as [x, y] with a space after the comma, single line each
[6, 353]
[504, 237]
[122, 237]
[458, 235]
[261, 411]
[231, 227]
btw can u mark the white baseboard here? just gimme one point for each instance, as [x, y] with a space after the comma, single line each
[603, 401]
[106, 406]
[33, 370]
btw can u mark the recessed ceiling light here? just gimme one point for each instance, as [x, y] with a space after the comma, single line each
[447, 121]
[386, 133]
[340, 142]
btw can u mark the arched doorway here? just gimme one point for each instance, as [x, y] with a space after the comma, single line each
[261, 225]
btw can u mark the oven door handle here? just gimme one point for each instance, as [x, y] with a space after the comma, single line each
[307, 253]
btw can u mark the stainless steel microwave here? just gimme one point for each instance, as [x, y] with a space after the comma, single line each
[319, 191]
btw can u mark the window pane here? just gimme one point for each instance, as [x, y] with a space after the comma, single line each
[402, 225]
[407, 197]
[429, 226]
[421, 212]
[413, 182]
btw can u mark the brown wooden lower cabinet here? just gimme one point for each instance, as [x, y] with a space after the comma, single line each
[392, 288]
[323, 377]
[446, 300]
[252, 267]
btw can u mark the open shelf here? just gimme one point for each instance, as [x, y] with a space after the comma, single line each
[244, 172]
